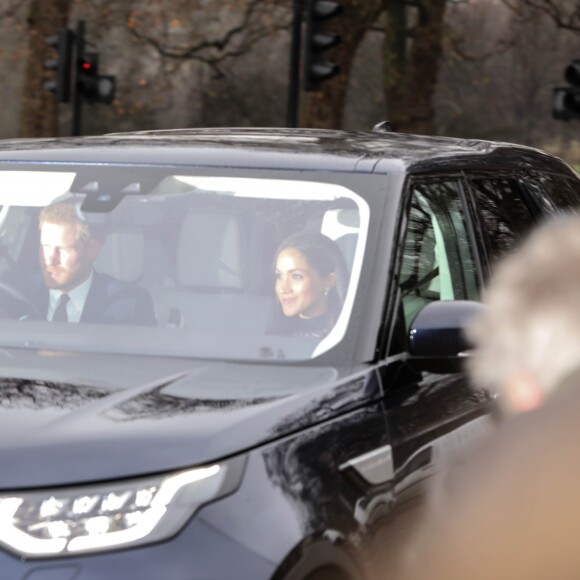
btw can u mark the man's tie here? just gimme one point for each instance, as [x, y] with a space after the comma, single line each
[60, 314]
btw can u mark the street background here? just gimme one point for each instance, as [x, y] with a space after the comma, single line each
[470, 68]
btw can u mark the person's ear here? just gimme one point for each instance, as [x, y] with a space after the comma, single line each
[524, 392]
[93, 249]
[330, 281]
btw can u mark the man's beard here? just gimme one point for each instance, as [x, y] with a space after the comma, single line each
[57, 277]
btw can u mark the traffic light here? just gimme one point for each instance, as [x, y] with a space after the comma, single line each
[90, 85]
[318, 41]
[60, 85]
[566, 100]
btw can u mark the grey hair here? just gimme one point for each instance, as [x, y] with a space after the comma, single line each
[532, 320]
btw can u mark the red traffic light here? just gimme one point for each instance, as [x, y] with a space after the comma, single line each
[88, 63]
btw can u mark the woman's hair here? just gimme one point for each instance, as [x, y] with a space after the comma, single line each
[324, 255]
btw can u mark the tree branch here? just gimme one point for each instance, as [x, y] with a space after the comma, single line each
[12, 8]
[563, 17]
[234, 42]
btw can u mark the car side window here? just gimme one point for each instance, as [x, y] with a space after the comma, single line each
[505, 215]
[563, 192]
[437, 262]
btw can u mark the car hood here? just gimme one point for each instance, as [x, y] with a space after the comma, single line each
[72, 418]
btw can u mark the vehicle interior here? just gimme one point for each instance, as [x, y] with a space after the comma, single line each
[206, 257]
[437, 259]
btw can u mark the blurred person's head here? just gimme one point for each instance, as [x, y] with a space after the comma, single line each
[528, 338]
[67, 249]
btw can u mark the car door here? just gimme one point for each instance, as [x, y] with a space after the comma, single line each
[432, 418]
[457, 227]
[454, 228]
[438, 260]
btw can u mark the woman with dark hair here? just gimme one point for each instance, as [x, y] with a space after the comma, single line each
[310, 278]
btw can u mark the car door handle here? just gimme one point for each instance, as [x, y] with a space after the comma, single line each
[375, 467]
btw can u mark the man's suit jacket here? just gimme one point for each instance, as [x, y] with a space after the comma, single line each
[109, 301]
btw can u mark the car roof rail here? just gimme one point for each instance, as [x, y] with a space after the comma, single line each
[383, 127]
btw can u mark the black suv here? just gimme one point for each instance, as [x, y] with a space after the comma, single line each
[235, 353]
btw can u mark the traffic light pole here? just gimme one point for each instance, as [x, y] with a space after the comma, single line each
[294, 78]
[77, 100]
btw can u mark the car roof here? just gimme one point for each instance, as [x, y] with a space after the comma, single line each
[269, 148]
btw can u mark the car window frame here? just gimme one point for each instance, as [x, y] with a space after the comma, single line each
[395, 328]
[534, 183]
[531, 204]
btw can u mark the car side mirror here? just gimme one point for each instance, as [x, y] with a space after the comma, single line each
[437, 342]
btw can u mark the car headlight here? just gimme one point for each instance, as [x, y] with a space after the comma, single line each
[93, 518]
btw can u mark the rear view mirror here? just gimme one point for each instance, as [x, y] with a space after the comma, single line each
[437, 341]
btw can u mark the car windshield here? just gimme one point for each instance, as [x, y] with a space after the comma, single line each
[161, 261]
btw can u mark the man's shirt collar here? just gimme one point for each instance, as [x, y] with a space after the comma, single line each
[78, 297]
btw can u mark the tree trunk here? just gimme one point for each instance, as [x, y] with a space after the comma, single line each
[411, 75]
[394, 56]
[324, 108]
[39, 110]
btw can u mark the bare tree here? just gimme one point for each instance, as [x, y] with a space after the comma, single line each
[11, 7]
[211, 62]
[536, 51]
[413, 44]
[564, 13]
[324, 108]
[468, 98]
[172, 37]
[210, 32]
[412, 52]
[180, 53]
[497, 84]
